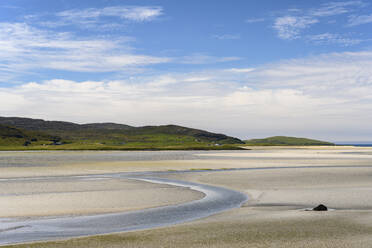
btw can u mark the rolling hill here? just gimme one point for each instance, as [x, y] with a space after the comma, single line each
[70, 135]
[287, 141]
[15, 136]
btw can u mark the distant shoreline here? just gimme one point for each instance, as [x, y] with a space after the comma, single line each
[237, 147]
[59, 148]
[357, 145]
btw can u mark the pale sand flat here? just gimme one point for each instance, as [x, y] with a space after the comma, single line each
[257, 158]
[342, 188]
[274, 216]
[31, 199]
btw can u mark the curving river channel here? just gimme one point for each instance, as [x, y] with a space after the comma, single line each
[216, 199]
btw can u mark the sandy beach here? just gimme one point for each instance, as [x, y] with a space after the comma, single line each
[255, 157]
[86, 197]
[274, 216]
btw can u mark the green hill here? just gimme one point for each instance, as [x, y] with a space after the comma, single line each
[42, 125]
[14, 136]
[287, 141]
[68, 135]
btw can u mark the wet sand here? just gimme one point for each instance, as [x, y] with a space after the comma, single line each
[257, 157]
[85, 197]
[216, 200]
[293, 188]
[275, 215]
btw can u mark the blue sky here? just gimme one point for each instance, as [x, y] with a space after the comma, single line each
[245, 68]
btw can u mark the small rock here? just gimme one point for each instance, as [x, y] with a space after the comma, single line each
[320, 207]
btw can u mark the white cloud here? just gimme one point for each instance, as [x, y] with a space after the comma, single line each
[26, 48]
[336, 8]
[99, 19]
[359, 20]
[328, 38]
[240, 70]
[255, 20]
[197, 79]
[92, 15]
[290, 27]
[227, 37]
[323, 97]
[326, 75]
[11, 101]
[205, 59]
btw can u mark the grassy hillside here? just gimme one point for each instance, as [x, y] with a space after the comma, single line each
[286, 141]
[57, 126]
[116, 136]
[11, 136]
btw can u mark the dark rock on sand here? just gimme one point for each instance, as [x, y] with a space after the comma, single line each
[320, 207]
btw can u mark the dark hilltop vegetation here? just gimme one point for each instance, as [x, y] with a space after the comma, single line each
[287, 141]
[35, 134]
[11, 136]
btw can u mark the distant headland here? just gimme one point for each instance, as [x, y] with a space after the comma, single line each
[18, 133]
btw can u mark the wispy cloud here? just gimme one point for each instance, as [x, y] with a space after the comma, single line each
[255, 20]
[240, 70]
[359, 20]
[97, 17]
[132, 13]
[8, 6]
[336, 8]
[26, 48]
[329, 38]
[226, 36]
[205, 59]
[328, 74]
[294, 25]
[290, 27]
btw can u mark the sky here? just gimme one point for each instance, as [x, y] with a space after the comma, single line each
[246, 68]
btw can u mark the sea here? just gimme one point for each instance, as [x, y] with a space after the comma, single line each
[358, 144]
